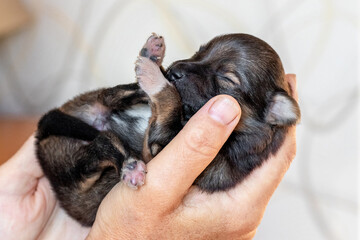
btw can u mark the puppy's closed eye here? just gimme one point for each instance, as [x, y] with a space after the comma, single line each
[232, 77]
[229, 79]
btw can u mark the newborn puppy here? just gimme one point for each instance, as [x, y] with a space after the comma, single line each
[100, 138]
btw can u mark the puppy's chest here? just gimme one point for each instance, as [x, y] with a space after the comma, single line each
[132, 122]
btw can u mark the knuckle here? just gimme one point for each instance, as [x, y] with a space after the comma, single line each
[200, 142]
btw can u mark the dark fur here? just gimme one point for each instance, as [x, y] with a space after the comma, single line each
[82, 152]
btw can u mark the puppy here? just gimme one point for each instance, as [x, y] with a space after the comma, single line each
[99, 138]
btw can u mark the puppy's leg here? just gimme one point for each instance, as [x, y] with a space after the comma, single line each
[58, 123]
[81, 174]
[148, 66]
[111, 152]
[94, 108]
[87, 108]
[122, 97]
[165, 121]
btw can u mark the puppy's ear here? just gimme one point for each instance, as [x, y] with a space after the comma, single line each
[282, 110]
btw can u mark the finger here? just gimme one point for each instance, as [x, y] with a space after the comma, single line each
[21, 172]
[244, 205]
[62, 226]
[256, 190]
[262, 182]
[174, 169]
[291, 79]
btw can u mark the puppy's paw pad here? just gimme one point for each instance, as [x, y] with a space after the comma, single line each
[149, 76]
[154, 49]
[133, 173]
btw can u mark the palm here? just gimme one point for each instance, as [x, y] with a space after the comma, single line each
[28, 208]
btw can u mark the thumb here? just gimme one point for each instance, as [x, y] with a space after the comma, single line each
[172, 172]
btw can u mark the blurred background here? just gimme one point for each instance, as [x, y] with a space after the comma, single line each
[52, 50]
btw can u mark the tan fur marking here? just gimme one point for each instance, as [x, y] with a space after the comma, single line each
[118, 145]
[89, 182]
[166, 102]
[146, 150]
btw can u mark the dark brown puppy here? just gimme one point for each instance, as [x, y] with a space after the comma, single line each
[92, 142]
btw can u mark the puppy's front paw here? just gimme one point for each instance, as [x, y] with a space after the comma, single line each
[149, 76]
[154, 49]
[133, 173]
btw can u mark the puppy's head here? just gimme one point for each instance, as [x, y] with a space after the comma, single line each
[242, 66]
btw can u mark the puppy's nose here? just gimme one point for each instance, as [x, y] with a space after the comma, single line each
[175, 75]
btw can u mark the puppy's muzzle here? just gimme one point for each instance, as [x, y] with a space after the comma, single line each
[179, 70]
[175, 74]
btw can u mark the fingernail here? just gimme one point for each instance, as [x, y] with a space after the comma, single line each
[224, 110]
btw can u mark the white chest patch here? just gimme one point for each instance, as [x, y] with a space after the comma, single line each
[137, 118]
[141, 112]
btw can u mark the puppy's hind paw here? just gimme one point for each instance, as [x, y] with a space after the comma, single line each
[133, 173]
[154, 49]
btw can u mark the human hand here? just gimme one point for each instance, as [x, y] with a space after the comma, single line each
[169, 207]
[28, 207]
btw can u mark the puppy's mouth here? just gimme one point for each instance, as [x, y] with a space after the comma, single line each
[188, 108]
[190, 104]
[191, 98]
